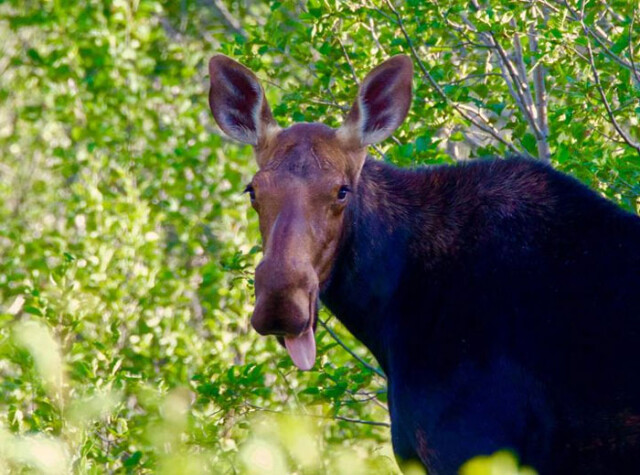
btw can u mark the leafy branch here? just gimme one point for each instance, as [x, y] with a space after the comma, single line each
[626, 137]
[482, 124]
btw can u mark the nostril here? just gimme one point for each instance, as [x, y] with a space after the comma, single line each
[281, 314]
[268, 326]
[266, 317]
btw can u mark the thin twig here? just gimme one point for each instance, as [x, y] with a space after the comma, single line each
[346, 56]
[317, 416]
[330, 104]
[473, 76]
[607, 136]
[361, 421]
[227, 18]
[379, 151]
[350, 351]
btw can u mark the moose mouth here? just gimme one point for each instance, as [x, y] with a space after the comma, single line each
[302, 347]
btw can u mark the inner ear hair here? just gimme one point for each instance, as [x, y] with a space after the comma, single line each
[382, 103]
[238, 102]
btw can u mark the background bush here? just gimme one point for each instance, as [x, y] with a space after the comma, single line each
[127, 249]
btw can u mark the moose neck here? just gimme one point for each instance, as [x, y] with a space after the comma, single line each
[376, 252]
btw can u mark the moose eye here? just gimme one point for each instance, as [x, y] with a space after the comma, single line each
[342, 192]
[252, 193]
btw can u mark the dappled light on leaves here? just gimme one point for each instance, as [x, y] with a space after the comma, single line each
[45, 454]
[260, 456]
[500, 463]
[413, 468]
[286, 444]
[45, 351]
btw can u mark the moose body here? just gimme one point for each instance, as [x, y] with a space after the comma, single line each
[502, 300]
[500, 297]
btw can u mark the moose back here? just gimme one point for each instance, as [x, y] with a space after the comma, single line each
[501, 297]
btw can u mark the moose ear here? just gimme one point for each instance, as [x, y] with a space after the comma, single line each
[238, 103]
[382, 103]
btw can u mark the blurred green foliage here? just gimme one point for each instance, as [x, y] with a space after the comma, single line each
[127, 249]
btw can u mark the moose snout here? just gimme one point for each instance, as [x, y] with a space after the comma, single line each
[284, 298]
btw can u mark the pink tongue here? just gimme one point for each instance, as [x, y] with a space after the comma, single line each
[302, 349]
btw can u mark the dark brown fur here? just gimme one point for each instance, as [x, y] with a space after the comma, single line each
[500, 297]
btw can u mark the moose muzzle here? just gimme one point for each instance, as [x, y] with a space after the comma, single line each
[286, 306]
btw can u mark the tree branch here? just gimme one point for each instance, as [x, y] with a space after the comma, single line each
[374, 35]
[519, 90]
[522, 73]
[515, 76]
[473, 76]
[634, 68]
[539, 74]
[346, 57]
[485, 127]
[596, 76]
[227, 18]
[579, 17]
[350, 351]
[317, 416]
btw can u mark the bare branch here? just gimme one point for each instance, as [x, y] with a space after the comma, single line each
[374, 35]
[522, 69]
[396, 140]
[369, 396]
[539, 74]
[519, 89]
[607, 136]
[360, 421]
[514, 73]
[515, 76]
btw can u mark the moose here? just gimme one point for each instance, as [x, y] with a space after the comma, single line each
[500, 296]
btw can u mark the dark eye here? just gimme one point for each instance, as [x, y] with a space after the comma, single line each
[252, 193]
[342, 192]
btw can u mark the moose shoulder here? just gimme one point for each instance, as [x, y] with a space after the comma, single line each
[500, 297]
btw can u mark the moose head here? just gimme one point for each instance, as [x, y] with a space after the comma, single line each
[307, 176]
